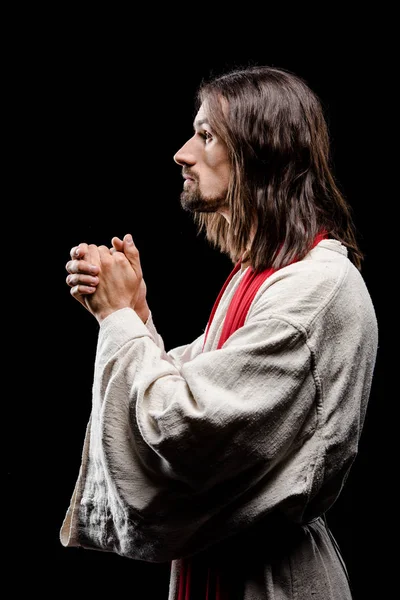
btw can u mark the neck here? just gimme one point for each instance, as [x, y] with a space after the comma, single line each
[244, 264]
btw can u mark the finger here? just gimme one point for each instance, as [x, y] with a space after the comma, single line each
[81, 290]
[103, 250]
[82, 279]
[104, 254]
[117, 244]
[93, 258]
[132, 254]
[79, 251]
[82, 266]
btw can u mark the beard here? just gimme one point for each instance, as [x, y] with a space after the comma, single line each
[194, 201]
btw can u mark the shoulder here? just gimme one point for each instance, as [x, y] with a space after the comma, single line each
[324, 282]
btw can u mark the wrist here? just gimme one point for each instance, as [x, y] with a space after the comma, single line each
[143, 312]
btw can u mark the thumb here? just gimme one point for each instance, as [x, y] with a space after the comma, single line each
[131, 252]
[128, 242]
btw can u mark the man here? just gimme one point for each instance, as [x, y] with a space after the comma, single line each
[223, 456]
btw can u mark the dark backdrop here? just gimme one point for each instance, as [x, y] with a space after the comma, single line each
[102, 114]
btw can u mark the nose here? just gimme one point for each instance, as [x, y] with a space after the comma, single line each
[185, 156]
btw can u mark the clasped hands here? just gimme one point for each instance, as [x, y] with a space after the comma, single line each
[106, 279]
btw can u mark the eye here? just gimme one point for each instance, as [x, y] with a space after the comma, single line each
[206, 135]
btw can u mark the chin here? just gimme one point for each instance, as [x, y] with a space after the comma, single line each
[196, 202]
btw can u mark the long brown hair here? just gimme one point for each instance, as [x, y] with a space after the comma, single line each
[277, 138]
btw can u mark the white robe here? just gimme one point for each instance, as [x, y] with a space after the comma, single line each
[187, 449]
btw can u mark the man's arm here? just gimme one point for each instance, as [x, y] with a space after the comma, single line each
[162, 439]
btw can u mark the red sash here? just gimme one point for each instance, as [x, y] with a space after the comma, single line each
[235, 317]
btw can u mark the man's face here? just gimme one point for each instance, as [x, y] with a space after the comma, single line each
[205, 168]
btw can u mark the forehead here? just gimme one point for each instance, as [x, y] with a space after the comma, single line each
[205, 111]
[201, 116]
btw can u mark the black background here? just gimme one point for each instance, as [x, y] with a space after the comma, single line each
[100, 107]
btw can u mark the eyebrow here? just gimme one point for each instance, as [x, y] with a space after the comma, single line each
[199, 123]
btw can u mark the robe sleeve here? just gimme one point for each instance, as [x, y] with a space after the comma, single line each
[175, 444]
[179, 355]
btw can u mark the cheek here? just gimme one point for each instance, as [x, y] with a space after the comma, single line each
[221, 177]
[226, 174]
[217, 157]
[214, 182]
[219, 168]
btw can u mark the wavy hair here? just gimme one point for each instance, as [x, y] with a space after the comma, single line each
[278, 143]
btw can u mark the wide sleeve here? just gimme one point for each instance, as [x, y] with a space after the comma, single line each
[179, 355]
[181, 453]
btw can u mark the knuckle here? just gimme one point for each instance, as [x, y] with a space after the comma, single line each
[120, 257]
[83, 267]
[73, 266]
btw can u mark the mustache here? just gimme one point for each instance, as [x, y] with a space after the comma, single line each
[188, 173]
